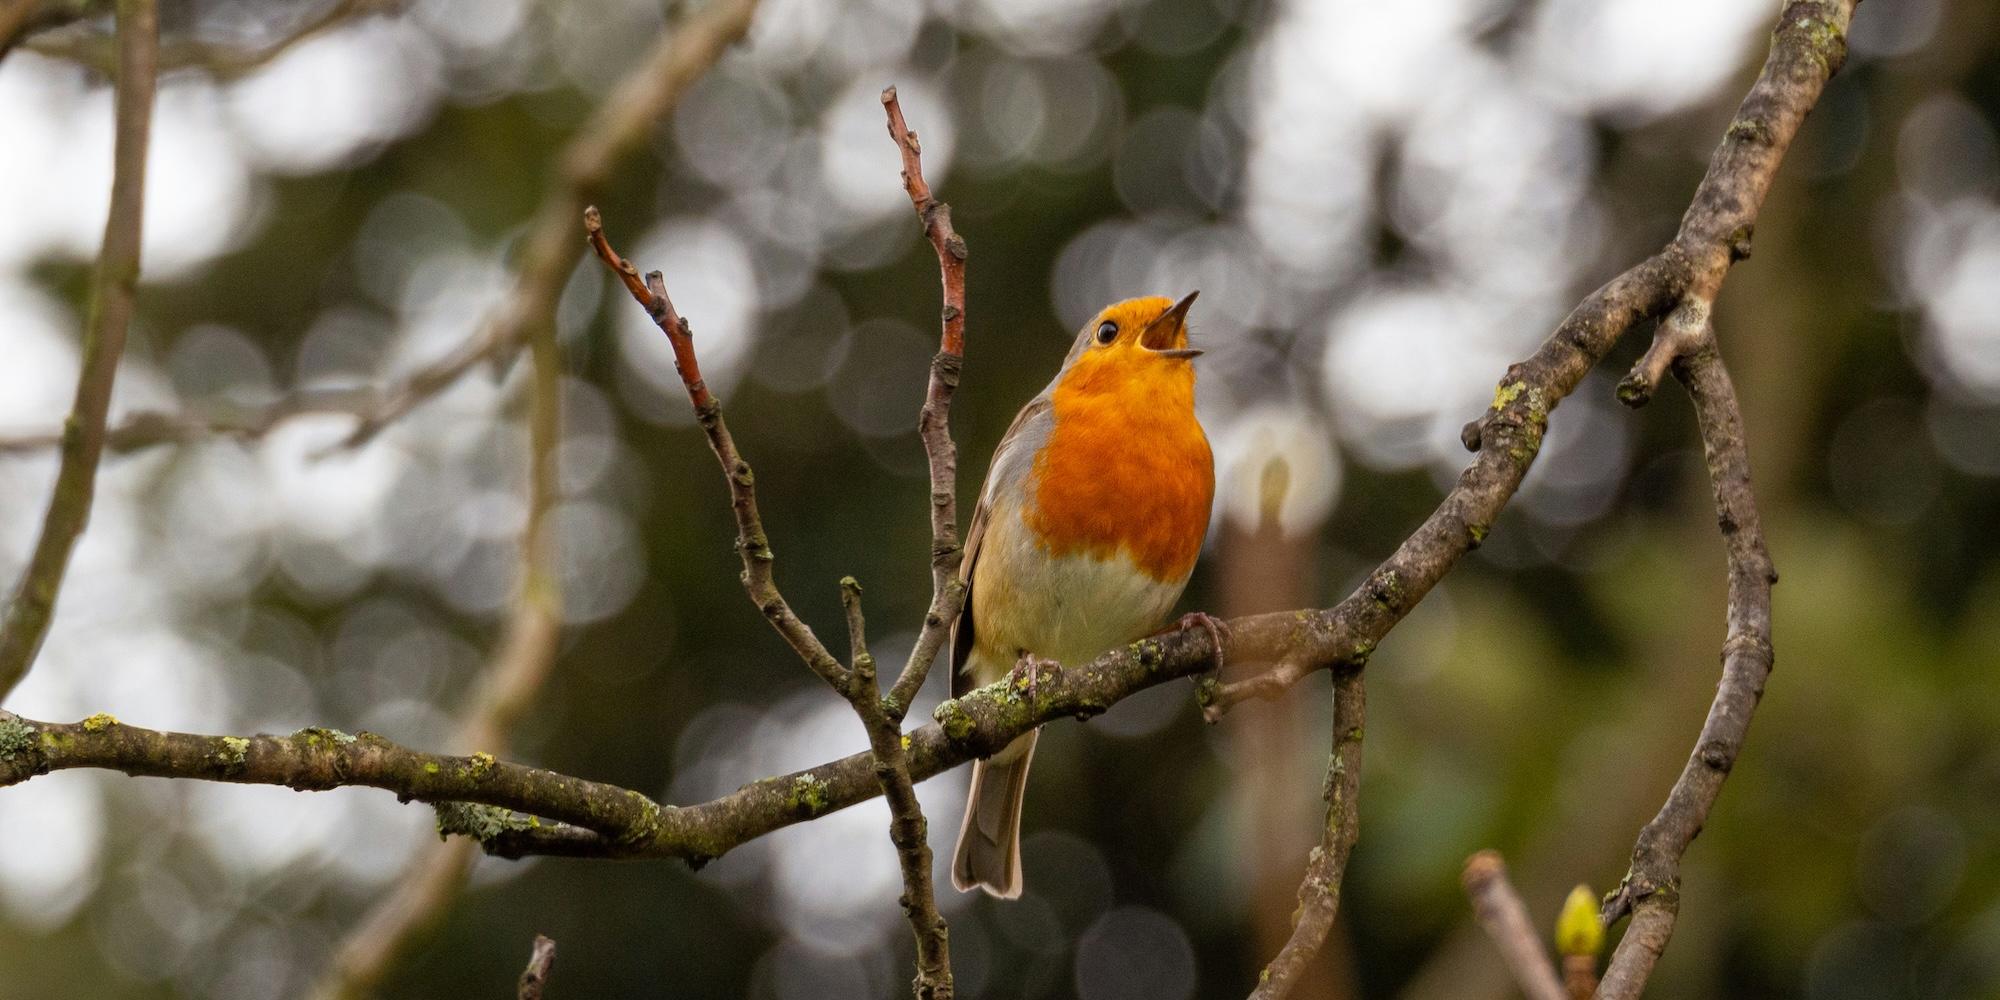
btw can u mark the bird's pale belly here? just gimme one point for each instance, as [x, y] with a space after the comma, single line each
[1068, 608]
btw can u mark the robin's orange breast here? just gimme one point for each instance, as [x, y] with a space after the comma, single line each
[1126, 467]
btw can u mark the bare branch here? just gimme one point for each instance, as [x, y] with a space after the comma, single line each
[536, 976]
[934, 421]
[114, 285]
[1651, 889]
[1506, 920]
[751, 542]
[1807, 47]
[1319, 892]
[858, 684]
[222, 61]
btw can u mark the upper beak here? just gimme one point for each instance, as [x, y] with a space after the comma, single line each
[1163, 328]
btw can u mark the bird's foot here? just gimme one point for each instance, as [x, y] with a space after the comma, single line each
[1026, 676]
[1217, 629]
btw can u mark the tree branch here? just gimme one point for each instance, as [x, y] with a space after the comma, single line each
[1651, 889]
[1319, 892]
[224, 62]
[148, 428]
[1501, 912]
[113, 289]
[857, 683]
[1807, 47]
[751, 542]
[934, 421]
[536, 976]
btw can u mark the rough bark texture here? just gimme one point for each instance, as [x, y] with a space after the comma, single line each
[1326, 868]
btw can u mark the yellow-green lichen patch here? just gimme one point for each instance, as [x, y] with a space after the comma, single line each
[1507, 392]
[320, 737]
[809, 795]
[479, 821]
[481, 765]
[230, 752]
[952, 717]
[99, 722]
[16, 738]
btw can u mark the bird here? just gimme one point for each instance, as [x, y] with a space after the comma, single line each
[1094, 510]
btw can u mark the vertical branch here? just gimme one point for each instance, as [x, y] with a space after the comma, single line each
[1651, 890]
[857, 683]
[535, 977]
[1326, 868]
[1505, 918]
[112, 290]
[909, 830]
[934, 421]
[429, 885]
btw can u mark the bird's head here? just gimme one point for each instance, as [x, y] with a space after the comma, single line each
[1136, 334]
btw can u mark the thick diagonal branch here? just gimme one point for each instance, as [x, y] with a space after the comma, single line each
[113, 287]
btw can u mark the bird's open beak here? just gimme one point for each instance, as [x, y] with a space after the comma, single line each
[1168, 329]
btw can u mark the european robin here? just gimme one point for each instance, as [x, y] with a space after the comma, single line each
[1092, 515]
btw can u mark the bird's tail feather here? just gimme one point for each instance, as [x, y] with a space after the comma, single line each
[989, 839]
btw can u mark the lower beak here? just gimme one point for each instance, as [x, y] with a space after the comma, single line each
[1167, 324]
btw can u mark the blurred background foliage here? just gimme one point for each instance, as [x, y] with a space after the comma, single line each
[1382, 204]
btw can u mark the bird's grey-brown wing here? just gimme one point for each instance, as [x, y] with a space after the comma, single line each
[1013, 458]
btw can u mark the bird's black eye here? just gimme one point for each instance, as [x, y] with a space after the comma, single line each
[1107, 332]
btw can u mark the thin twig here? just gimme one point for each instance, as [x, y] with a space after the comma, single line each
[1319, 892]
[1505, 918]
[536, 976]
[222, 61]
[934, 421]
[114, 286]
[751, 542]
[883, 717]
[147, 428]
[858, 683]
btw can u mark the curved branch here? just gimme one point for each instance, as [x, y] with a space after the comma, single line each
[397, 923]
[114, 285]
[1807, 47]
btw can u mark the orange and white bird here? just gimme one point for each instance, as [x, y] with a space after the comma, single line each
[1090, 521]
